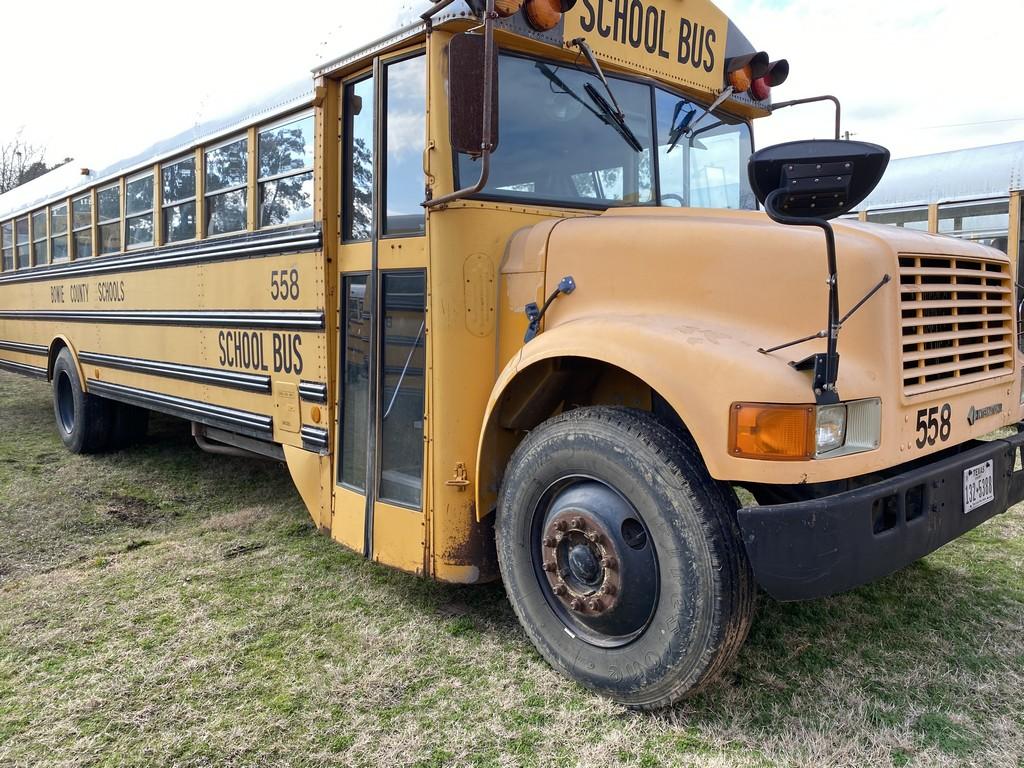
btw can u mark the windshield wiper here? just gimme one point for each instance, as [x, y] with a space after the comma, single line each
[612, 112]
[678, 131]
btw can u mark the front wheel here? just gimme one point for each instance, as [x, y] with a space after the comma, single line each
[621, 556]
[83, 420]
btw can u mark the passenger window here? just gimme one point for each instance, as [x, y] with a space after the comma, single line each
[59, 233]
[138, 211]
[108, 213]
[403, 364]
[286, 173]
[21, 242]
[7, 245]
[178, 184]
[404, 181]
[227, 174]
[357, 194]
[355, 382]
[81, 226]
[40, 252]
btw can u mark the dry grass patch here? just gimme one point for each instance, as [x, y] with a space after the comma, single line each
[163, 607]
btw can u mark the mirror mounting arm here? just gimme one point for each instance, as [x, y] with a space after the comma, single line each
[486, 144]
[813, 100]
[827, 369]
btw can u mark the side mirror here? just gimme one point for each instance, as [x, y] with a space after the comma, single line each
[467, 68]
[805, 180]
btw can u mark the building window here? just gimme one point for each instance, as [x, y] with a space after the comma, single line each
[40, 252]
[7, 245]
[108, 210]
[81, 226]
[404, 182]
[227, 174]
[138, 211]
[357, 193]
[59, 233]
[286, 173]
[179, 200]
[21, 242]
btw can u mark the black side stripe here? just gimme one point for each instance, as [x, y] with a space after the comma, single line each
[28, 349]
[314, 439]
[293, 321]
[313, 392]
[25, 370]
[249, 245]
[230, 419]
[248, 382]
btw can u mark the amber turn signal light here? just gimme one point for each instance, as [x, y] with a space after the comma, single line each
[506, 8]
[544, 15]
[772, 432]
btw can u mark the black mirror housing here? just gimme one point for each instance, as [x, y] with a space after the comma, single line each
[819, 179]
[467, 66]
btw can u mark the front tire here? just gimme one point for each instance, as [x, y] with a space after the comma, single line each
[621, 556]
[83, 420]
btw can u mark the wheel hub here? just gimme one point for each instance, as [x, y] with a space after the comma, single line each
[580, 561]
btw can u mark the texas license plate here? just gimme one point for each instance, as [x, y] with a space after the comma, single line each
[979, 486]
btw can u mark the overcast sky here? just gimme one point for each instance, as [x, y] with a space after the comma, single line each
[100, 80]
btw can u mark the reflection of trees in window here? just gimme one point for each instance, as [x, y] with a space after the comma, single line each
[226, 178]
[361, 192]
[109, 215]
[179, 200]
[7, 245]
[358, 181]
[286, 175]
[58, 233]
[138, 209]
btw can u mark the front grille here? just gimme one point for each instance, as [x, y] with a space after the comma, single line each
[957, 320]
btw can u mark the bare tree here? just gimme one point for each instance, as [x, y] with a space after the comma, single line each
[21, 161]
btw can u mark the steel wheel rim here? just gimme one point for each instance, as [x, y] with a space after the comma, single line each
[595, 561]
[65, 403]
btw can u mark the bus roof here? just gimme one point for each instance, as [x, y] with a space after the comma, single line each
[68, 178]
[948, 177]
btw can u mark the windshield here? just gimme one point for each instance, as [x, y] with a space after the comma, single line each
[558, 146]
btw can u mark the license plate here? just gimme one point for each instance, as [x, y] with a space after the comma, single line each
[979, 486]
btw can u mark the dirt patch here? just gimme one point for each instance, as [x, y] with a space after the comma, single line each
[133, 511]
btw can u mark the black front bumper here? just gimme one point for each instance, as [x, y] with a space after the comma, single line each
[812, 549]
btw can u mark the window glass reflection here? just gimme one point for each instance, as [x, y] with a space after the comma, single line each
[908, 218]
[40, 251]
[7, 243]
[986, 222]
[287, 200]
[286, 173]
[226, 212]
[355, 382]
[406, 134]
[357, 195]
[179, 180]
[286, 148]
[138, 195]
[109, 203]
[21, 242]
[227, 166]
[179, 222]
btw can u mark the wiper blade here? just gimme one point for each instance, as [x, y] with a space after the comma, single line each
[615, 119]
[678, 131]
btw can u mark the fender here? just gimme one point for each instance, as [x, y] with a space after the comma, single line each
[58, 341]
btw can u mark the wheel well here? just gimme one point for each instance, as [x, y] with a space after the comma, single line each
[548, 388]
[55, 347]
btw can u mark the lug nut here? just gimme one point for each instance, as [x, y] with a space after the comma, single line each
[609, 563]
[579, 523]
[561, 526]
[549, 567]
[560, 590]
[608, 589]
[576, 604]
[593, 536]
[550, 543]
[595, 605]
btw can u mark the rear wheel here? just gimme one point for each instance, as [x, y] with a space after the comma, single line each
[83, 420]
[621, 556]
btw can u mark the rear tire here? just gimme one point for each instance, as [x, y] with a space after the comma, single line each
[83, 420]
[621, 556]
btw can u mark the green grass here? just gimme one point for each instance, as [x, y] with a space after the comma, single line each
[165, 607]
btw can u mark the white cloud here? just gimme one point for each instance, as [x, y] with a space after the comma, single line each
[916, 76]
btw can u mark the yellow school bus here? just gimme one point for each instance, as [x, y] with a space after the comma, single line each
[497, 289]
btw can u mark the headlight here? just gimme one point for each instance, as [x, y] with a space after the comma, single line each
[802, 432]
[830, 430]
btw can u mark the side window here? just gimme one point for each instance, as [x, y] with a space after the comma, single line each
[81, 225]
[404, 182]
[179, 200]
[138, 211]
[286, 173]
[227, 174]
[21, 242]
[7, 245]
[108, 212]
[403, 364]
[40, 251]
[355, 382]
[357, 194]
[59, 233]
